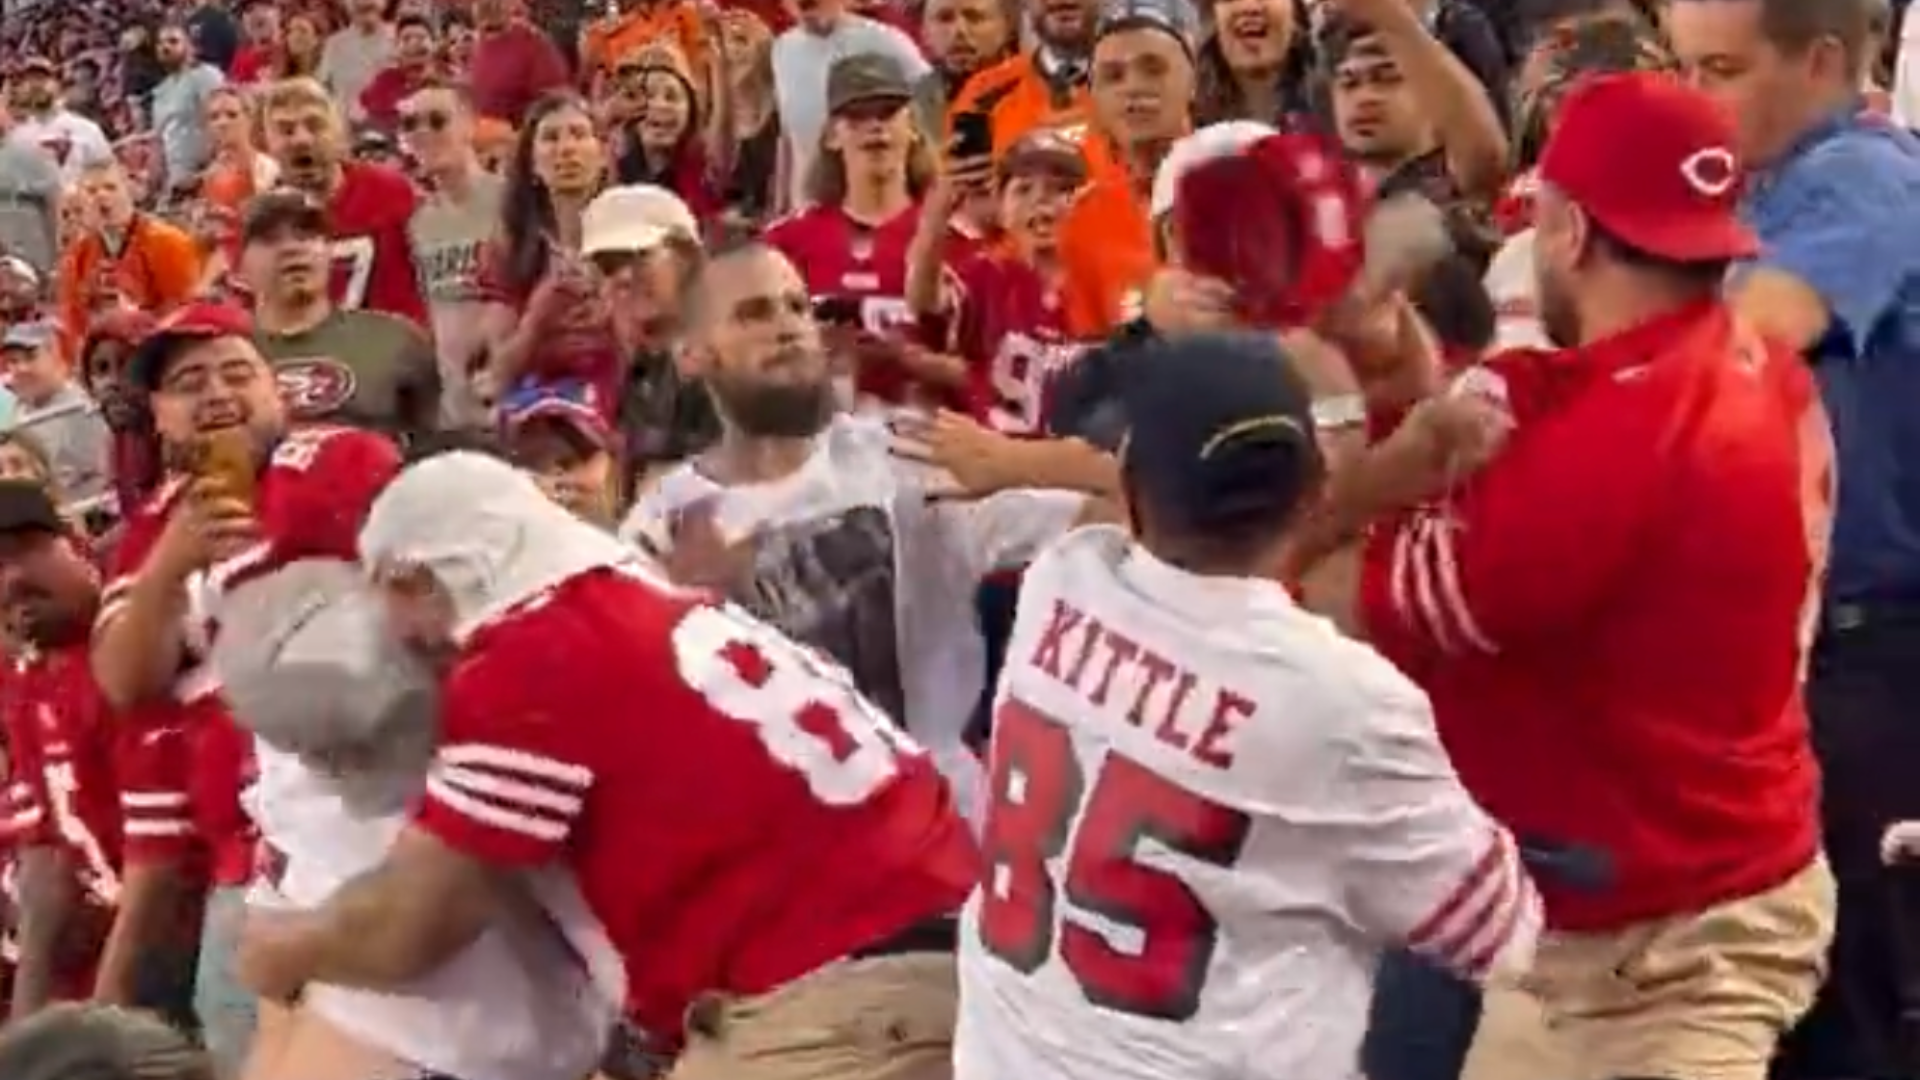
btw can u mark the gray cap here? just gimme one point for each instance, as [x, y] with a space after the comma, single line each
[1172, 17]
[309, 666]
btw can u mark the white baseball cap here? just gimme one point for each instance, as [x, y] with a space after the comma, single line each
[634, 217]
[1213, 141]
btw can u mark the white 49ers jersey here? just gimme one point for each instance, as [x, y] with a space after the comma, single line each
[1210, 812]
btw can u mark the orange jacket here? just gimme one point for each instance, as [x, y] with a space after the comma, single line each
[609, 39]
[156, 268]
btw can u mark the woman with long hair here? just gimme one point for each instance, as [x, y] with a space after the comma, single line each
[850, 242]
[1256, 65]
[545, 318]
[668, 136]
[746, 52]
[302, 39]
[237, 172]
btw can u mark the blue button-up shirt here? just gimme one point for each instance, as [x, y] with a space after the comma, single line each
[1841, 213]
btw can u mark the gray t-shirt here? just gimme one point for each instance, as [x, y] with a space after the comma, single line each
[449, 239]
[29, 187]
[76, 438]
[349, 61]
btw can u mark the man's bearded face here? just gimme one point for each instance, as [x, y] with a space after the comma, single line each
[307, 141]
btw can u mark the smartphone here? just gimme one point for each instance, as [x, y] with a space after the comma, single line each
[837, 310]
[225, 459]
[972, 136]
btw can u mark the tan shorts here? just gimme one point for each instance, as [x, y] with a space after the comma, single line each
[888, 1018]
[1694, 997]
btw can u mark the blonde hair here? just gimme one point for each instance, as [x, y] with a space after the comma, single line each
[299, 92]
[827, 176]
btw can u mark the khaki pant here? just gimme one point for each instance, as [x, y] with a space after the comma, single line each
[888, 1018]
[1695, 997]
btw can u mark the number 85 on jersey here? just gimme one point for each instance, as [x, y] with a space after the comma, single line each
[1064, 872]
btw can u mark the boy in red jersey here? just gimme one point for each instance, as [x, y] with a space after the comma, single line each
[589, 711]
[368, 206]
[196, 537]
[1001, 306]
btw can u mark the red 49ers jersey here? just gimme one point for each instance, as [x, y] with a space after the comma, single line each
[372, 250]
[1012, 332]
[310, 499]
[590, 723]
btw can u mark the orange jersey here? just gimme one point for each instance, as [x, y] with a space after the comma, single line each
[609, 39]
[1106, 247]
[156, 268]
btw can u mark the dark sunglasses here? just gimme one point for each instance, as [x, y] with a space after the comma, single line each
[432, 120]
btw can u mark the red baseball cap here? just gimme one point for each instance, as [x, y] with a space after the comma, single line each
[1651, 160]
[198, 321]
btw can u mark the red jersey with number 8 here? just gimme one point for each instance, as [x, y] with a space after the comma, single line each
[1202, 832]
[734, 813]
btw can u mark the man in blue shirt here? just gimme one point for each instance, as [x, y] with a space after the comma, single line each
[1836, 201]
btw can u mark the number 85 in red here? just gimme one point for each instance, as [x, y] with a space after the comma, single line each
[1040, 791]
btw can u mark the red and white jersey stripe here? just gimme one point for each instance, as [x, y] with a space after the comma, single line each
[499, 787]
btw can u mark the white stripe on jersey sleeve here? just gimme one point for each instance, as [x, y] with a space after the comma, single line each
[510, 789]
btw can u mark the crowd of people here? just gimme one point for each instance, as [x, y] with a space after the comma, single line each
[872, 539]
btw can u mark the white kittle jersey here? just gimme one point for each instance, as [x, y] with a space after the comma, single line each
[1211, 812]
[514, 1005]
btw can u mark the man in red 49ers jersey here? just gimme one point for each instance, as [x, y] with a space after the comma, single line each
[103, 834]
[590, 713]
[307, 494]
[368, 206]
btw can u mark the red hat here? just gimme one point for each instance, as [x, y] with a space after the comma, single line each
[197, 321]
[1651, 161]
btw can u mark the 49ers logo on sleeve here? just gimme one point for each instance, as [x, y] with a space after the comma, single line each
[316, 388]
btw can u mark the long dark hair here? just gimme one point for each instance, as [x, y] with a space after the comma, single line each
[527, 223]
[1217, 94]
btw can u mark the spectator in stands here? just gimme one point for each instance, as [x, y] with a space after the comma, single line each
[102, 368]
[255, 59]
[1045, 85]
[545, 320]
[355, 53]
[561, 435]
[631, 27]
[41, 119]
[961, 37]
[55, 407]
[30, 191]
[237, 170]
[300, 53]
[1257, 64]
[1407, 109]
[676, 137]
[360, 368]
[450, 230]
[99, 1042]
[139, 72]
[746, 53]
[22, 457]
[179, 110]
[457, 41]
[415, 61]
[513, 62]
[1143, 94]
[215, 35]
[125, 256]
[802, 55]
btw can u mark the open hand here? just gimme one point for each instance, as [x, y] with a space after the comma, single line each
[976, 461]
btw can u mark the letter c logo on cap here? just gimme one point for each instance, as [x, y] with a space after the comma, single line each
[1712, 172]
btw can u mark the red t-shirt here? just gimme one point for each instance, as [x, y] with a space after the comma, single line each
[1609, 616]
[311, 499]
[580, 344]
[587, 726]
[842, 258]
[1012, 332]
[372, 250]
